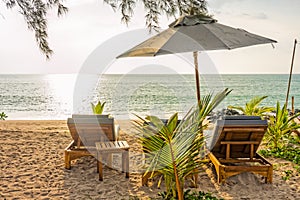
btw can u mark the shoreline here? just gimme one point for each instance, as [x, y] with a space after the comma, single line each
[32, 167]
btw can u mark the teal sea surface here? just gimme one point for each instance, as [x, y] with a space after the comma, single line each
[58, 96]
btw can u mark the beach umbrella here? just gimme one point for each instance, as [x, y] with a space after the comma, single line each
[193, 33]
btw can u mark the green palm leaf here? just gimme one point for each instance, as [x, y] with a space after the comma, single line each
[280, 127]
[98, 108]
[252, 107]
[175, 150]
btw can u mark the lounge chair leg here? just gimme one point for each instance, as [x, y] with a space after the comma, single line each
[100, 167]
[97, 163]
[269, 175]
[67, 160]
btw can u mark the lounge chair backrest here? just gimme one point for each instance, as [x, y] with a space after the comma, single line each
[85, 131]
[241, 117]
[242, 128]
[89, 116]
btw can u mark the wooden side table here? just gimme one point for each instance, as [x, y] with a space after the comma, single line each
[106, 148]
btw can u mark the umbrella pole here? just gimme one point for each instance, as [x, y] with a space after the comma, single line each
[290, 77]
[195, 54]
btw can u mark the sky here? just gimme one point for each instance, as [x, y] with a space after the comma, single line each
[90, 24]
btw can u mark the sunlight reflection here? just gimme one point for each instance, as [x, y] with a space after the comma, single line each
[61, 88]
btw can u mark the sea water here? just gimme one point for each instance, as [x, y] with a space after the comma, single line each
[57, 96]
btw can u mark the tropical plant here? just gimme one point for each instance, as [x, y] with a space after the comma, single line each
[175, 149]
[154, 9]
[35, 15]
[280, 127]
[98, 108]
[288, 153]
[3, 116]
[189, 195]
[252, 107]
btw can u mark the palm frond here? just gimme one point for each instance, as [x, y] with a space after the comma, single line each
[280, 127]
[98, 108]
[175, 149]
[252, 107]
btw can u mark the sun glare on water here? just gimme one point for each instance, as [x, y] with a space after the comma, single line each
[61, 88]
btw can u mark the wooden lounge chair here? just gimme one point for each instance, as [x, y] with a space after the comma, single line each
[85, 131]
[233, 145]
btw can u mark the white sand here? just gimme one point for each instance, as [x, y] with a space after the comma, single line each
[32, 167]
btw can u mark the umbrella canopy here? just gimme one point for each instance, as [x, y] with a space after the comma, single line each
[195, 33]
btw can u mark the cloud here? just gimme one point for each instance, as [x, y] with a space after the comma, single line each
[219, 4]
[242, 9]
[261, 16]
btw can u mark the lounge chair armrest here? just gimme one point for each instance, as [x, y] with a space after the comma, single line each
[70, 145]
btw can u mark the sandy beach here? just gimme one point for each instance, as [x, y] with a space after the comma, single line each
[32, 167]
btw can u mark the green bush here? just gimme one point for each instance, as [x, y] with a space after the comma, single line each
[280, 128]
[173, 149]
[188, 195]
[252, 107]
[3, 116]
[98, 108]
[289, 153]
